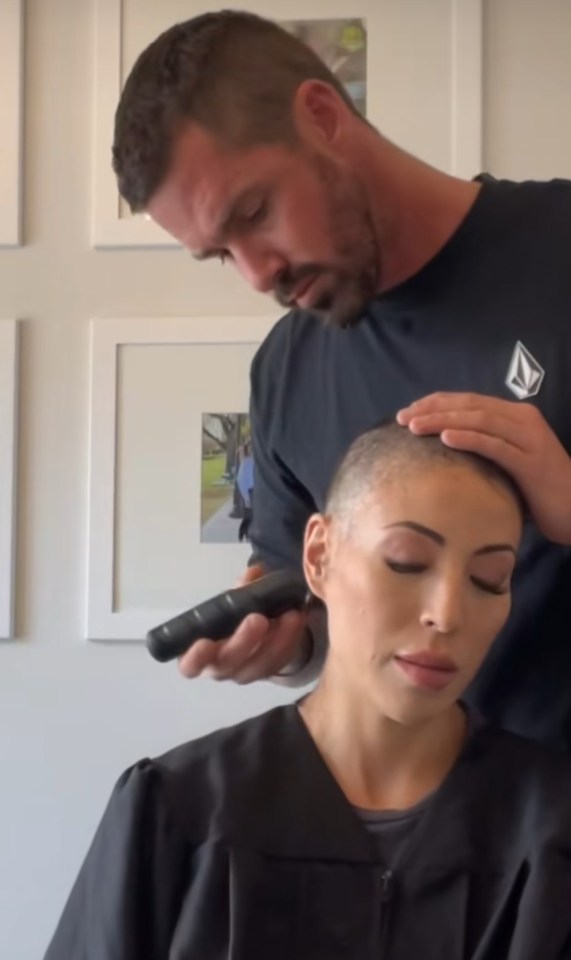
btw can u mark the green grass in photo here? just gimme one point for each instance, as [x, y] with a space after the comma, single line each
[213, 496]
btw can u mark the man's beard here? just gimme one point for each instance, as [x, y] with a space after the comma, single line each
[355, 278]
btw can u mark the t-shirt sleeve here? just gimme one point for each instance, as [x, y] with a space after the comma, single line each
[281, 504]
[126, 899]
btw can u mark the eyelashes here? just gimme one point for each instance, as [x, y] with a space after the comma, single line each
[256, 215]
[405, 567]
[244, 222]
[496, 590]
[492, 588]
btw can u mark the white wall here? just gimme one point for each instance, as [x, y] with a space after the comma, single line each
[73, 715]
[527, 88]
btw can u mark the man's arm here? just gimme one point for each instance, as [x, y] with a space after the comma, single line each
[282, 507]
[289, 650]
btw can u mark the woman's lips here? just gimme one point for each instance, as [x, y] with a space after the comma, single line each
[428, 670]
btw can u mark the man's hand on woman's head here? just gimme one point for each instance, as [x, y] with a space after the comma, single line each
[516, 436]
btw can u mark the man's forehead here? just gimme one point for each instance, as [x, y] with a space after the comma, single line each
[203, 181]
[199, 183]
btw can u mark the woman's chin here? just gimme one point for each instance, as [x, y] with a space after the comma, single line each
[413, 709]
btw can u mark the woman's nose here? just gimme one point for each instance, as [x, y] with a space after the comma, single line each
[442, 610]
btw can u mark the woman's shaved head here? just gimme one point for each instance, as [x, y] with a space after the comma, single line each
[388, 452]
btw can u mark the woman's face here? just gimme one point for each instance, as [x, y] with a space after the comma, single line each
[416, 585]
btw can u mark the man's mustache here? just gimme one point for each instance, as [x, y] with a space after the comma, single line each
[289, 281]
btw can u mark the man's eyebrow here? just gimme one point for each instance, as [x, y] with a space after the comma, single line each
[227, 218]
[440, 540]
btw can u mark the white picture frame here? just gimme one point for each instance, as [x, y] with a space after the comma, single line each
[464, 152]
[102, 621]
[11, 72]
[9, 340]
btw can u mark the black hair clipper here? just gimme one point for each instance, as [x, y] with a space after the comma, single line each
[217, 618]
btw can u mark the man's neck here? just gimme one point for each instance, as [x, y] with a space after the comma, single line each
[378, 763]
[416, 209]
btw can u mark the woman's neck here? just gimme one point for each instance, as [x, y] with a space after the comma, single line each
[378, 763]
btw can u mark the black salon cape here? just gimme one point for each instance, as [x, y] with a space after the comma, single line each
[241, 846]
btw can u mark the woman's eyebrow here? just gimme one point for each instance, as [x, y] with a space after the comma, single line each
[419, 528]
[496, 548]
[440, 540]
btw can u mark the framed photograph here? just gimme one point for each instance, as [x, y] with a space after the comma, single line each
[342, 44]
[8, 460]
[11, 70]
[226, 478]
[414, 69]
[169, 477]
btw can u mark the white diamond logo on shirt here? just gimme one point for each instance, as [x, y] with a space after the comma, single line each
[525, 374]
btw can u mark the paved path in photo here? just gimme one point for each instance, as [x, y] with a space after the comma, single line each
[221, 528]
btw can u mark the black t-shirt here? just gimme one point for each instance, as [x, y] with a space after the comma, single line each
[391, 830]
[502, 284]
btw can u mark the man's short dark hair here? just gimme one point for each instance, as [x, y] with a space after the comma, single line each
[233, 73]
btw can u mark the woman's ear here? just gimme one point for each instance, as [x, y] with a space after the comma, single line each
[316, 548]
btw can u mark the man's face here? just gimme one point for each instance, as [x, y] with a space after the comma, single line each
[296, 224]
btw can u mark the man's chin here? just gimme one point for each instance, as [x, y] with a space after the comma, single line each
[342, 308]
[343, 313]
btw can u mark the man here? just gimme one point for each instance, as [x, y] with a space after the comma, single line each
[411, 293]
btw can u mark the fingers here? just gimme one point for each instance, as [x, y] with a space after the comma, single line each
[258, 649]
[251, 573]
[505, 454]
[442, 401]
[278, 648]
[206, 654]
[471, 422]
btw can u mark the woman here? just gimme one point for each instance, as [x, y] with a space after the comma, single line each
[379, 817]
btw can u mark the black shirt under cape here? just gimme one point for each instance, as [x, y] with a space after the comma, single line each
[241, 845]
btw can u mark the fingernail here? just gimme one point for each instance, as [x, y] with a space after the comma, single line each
[208, 673]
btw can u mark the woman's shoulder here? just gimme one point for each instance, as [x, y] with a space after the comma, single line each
[527, 780]
[240, 743]
[523, 756]
[206, 783]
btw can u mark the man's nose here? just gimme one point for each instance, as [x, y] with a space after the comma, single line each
[259, 266]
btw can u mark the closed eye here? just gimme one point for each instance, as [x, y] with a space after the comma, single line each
[412, 568]
[242, 222]
[405, 567]
[497, 590]
[251, 217]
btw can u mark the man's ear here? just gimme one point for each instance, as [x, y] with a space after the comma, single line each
[319, 112]
[316, 548]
